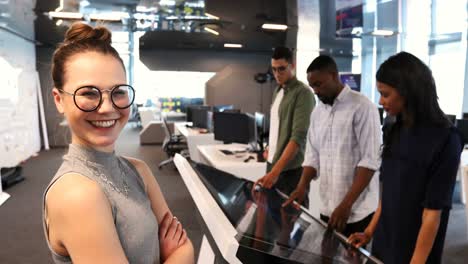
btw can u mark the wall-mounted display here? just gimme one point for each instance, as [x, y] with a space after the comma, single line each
[353, 80]
[348, 17]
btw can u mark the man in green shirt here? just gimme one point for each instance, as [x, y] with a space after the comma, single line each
[292, 105]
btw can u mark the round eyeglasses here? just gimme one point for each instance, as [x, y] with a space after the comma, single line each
[89, 98]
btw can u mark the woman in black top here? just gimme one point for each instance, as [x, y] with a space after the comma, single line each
[420, 158]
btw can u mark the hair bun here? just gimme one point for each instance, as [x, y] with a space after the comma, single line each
[81, 32]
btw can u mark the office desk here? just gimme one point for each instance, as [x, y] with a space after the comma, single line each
[148, 114]
[194, 138]
[234, 164]
[253, 227]
[251, 170]
[463, 175]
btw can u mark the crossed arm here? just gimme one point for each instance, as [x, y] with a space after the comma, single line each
[172, 250]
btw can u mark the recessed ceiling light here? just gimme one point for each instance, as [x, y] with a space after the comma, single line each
[59, 22]
[212, 31]
[211, 16]
[66, 15]
[232, 45]
[141, 8]
[167, 2]
[112, 16]
[382, 32]
[275, 27]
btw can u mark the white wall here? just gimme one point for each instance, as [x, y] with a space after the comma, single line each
[19, 125]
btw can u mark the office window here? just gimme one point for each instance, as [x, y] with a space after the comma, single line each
[167, 84]
[447, 53]
[448, 67]
[120, 42]
[155, 86]
[449, 16]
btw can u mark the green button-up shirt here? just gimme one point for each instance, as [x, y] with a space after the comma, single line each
[294, 117]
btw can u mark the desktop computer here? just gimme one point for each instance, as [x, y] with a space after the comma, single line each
[202, 118]
[381, 115]
[451, 118]
[190, 108]
[234, 110]
[222, 108]
[353, 80]
[235, 128]
[462, 126]
[261, 125]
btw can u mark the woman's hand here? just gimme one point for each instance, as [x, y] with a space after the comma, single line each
[359, 239]
[171, 236]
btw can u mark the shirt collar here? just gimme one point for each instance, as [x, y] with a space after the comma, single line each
[339, 99]
[288, 85]
[343, 94]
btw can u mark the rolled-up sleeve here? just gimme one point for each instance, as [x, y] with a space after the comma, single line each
[305, 104]
[311, 157]
[369, 136]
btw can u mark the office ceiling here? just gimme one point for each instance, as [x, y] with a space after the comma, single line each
[178, 24]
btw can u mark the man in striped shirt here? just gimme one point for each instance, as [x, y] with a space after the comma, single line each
[342, 148]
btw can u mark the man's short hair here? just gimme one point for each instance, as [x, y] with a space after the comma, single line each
[282, 53]
[323, 63]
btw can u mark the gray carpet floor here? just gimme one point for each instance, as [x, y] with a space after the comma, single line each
[21, 234]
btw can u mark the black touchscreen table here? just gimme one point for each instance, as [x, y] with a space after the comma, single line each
[269, 232]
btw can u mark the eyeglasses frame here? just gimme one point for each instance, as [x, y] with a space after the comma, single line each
[110, 91]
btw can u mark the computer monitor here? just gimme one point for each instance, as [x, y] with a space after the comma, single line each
[381, 112]
[462, 126]
[222, 108]
[353, 80]
[260, 124]
[186, 101]
[189, 110]
[201, 118]
[234, 110]
[235, 127]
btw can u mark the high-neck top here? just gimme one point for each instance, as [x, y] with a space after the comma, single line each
[124, 188]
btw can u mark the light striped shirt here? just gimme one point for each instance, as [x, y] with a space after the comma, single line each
[340, 138]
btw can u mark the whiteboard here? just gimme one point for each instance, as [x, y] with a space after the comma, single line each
[19, 115]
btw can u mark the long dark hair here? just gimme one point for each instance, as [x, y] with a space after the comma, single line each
[413, 80]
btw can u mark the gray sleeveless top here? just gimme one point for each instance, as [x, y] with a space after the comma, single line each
[134, 220]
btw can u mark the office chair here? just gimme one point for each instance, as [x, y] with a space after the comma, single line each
[135, 116]
[172, 144]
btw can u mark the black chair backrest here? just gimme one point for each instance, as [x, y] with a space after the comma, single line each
[166, 128]
[167, 134]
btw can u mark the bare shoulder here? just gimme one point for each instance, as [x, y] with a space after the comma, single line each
[142, 168]
[139, 164]
[79, 217]
[73, 193]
